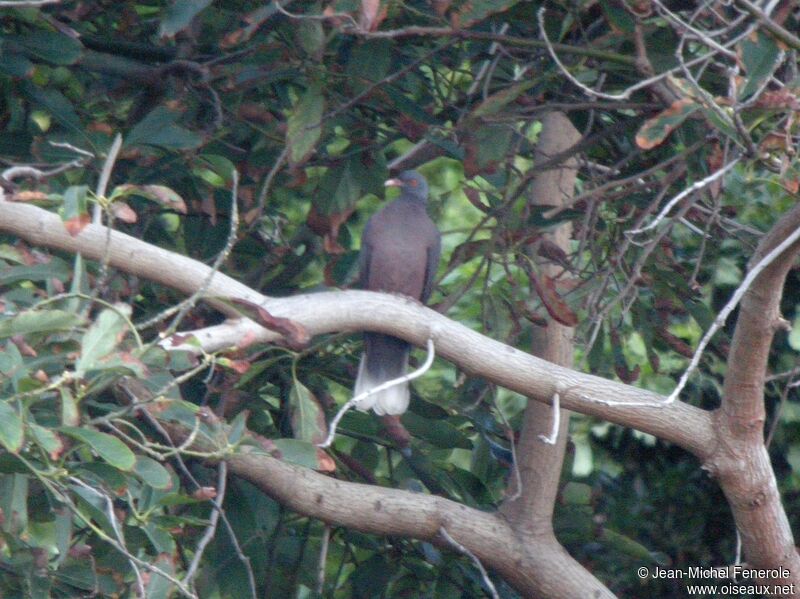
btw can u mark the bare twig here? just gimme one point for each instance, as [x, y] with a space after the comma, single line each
[323, 558]
[279, 162]
[120, 545]
[105, 175]
[69, 146]
[245, 561]
[26, 3]
[627, 92]
[492, 591]
[211, 529]
[719, 321]
[382, 387]
[514, 461]
[553, 436]
[776, 416]
[696, 186]
[769, 24]
[299, 17]
[183, 307]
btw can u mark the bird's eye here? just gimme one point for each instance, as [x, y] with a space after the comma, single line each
[413, 182]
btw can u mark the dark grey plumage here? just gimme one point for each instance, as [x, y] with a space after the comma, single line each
[400, 250]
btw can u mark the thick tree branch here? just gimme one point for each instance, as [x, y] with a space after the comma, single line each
[531, 508]
[381, 511]
[741, 462]
[328, 312]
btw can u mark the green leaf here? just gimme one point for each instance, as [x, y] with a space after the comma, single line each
[485, 146]
[158, 586]
[338, 190]
[655, 130]
[160, 128]
[759, 53]
[308, 419]
[619, 18]
[54, 103]
[50, 46]
[11, 254]
[161, 194]
[38, 321]
[298, 452]
[437, 432]
[47, 440]
[153, 473]
[499, 100]
[93, 505]
[104, 475]
[14, 490]
[473, 11]
[69, 408]
[55, 269]
[80, 285]
[179, 16]
[369, 63]
[12, 365]
[372, 577]
[304, 127]
[100, 340]
[10, 427]
[311, 37]
[220, 165]
[75, 212]
[238, 426]
[63, 532]
[109, 448]
[182, 412]
[13, 63]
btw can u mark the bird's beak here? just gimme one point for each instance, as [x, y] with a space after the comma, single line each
[393, 183]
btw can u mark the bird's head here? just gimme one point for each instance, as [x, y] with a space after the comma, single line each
[412, 185]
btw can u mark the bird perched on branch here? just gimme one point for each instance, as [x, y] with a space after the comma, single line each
[400, 250]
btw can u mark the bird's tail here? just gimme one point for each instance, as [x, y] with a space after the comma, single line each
[385, 358]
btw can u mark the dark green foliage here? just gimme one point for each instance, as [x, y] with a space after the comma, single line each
[311, 114]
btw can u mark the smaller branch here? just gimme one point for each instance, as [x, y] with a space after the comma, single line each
[279, 162]
[211, 530]
[102, 184]
[509, 430]
[69, 146]
[719, 321]
[738, 558]
[105, 175]
[510, 40]
[696, 186]
[387, 385]
[461, 549]
[142, 397]
[701, 35]
[183, 308]
[15, 172]
[299, 17]
[120, 540]
[323, 558]
[553, 436]
[624, 95]
[776, 417]
[769, 24]
[26, 3]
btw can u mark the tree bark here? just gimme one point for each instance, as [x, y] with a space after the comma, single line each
[741, 462]
[530, 511]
